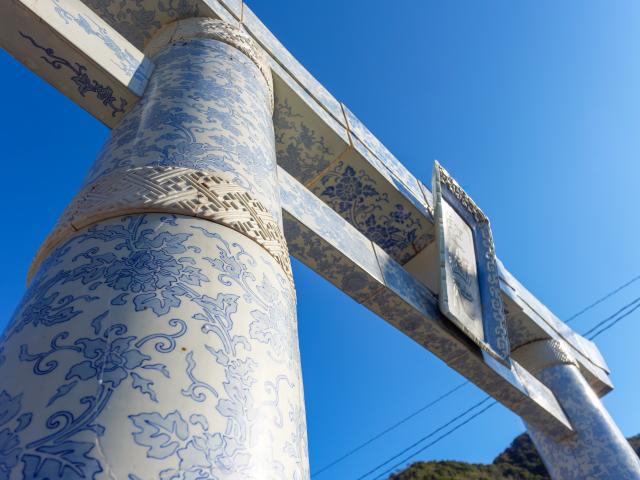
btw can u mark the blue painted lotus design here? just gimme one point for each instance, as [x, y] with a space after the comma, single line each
[355, 196]
[144, 271]
[112, 361]
[11, 423]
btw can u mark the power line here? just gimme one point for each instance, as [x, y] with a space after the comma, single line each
[440, 438]
[626, 314]
[418, 442]
[613, 315]
[389, 429]
[602, 299]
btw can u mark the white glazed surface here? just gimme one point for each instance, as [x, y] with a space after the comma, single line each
[154, 346]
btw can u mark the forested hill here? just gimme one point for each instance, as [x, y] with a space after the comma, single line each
[520, 461]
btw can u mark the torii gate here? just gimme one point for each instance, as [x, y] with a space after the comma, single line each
[157, 338]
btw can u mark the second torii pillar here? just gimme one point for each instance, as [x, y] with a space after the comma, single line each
[158, 337]
[597, 450]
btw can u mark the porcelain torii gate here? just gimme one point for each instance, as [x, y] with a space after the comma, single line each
[157, 337]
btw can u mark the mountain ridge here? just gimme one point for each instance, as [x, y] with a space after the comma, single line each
[519, 461]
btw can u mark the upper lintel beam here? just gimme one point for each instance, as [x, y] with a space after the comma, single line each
[74, 50]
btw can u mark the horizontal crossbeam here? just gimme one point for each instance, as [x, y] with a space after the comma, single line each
[325, 242]
[73, 49]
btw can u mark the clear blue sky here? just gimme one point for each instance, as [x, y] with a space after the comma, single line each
[534, 106]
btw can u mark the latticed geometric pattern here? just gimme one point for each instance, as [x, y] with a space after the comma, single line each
[543, 354]
[175, 190]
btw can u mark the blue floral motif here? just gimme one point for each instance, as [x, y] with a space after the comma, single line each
[125, 259]
[196, 390]
[10, 425]
[81, 78]
[272, 322]
[193, 117]
[296, 446]
[354, 195]
[273, 317]
[301, 151]
[348, 189]
[150, 263]
[48, 308]
[201, 453]
[111, 357]
[112, 362]
[139, 70]
[65, 460]
[150, 271]
[143, 271]
[137, 23]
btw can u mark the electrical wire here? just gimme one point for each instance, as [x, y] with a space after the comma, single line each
[389, 429]
[610, 317]
[458, 387]
[426, 437]
[440, 438]
[602, 299]
[626, 314]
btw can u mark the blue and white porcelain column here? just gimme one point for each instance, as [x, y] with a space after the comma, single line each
[158, 337]
[597, 450]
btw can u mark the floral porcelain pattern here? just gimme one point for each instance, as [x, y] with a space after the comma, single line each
[138, 20]
[132, 63]
[362, 199]
[140, 309]
[319, 237]
[303, 148]
[170, 338]
[78, 75]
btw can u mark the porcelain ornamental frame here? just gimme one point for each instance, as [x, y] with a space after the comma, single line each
[481, 277]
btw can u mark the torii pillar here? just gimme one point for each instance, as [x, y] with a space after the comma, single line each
[597, 450]
[158, 337]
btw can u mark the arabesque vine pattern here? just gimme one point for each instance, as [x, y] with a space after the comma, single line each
[354, 195]
[80, 77]
[147, 265]
[301, 151]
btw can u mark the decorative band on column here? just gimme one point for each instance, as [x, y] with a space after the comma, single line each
[172, 190]
[541, 354]
[201, 27]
